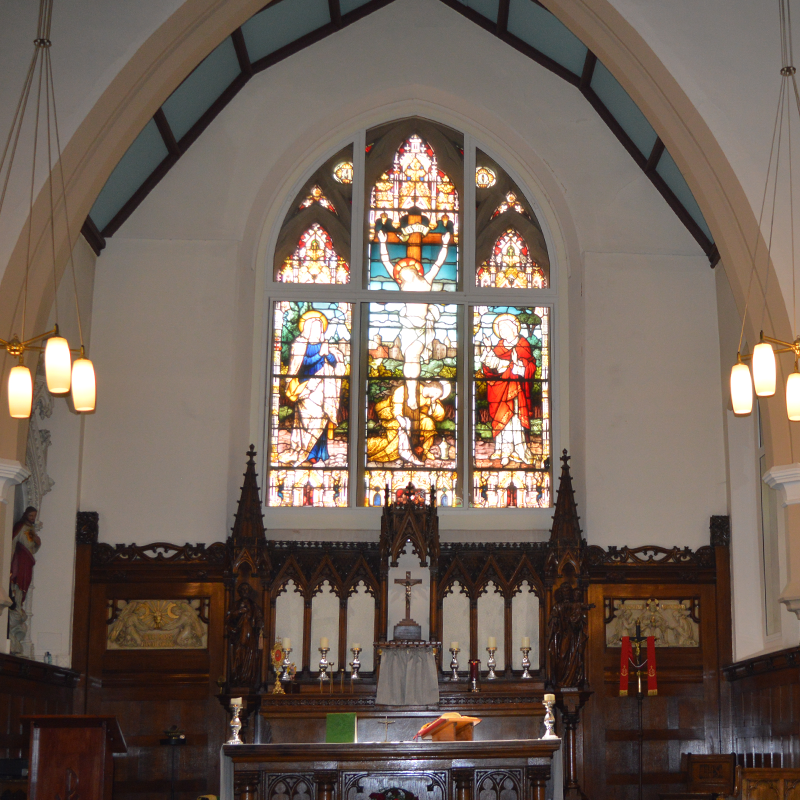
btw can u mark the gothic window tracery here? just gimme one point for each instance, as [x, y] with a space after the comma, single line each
[454, 395]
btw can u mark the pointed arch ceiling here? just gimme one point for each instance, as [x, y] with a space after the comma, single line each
[286, 26]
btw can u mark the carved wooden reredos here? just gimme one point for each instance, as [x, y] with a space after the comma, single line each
[230, 594]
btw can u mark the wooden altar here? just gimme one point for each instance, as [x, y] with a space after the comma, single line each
[519, 768]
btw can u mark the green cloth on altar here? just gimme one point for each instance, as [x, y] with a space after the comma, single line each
[340, 728]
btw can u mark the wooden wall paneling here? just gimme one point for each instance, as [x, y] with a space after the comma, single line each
[508, 633]
[343, 633]
[473, 627]
[307, 602]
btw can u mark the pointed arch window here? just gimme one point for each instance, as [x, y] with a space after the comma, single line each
[452, 391]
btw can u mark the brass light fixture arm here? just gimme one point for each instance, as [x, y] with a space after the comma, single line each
[16, 348]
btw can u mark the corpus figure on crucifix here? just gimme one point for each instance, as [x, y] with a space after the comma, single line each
[408, 583]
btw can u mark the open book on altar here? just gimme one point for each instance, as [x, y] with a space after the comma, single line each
[450, 727]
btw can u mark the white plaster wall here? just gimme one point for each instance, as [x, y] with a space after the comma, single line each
[156, 449]
[655, 454]
[54, 574]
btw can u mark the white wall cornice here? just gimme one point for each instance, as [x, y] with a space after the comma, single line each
[11, 473]
[786, 479]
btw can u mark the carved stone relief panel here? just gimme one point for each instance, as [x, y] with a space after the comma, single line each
[290, 787]
[503, 784]
[180, 624]
[673, 622]
[430, 785]
[525, 622]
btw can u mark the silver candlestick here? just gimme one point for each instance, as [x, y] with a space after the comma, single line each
[549, 719]
[526, 662]
[454, 663]
[236, 723]
[491, 664]
[324, 664]
[286, 666]
[355, 664]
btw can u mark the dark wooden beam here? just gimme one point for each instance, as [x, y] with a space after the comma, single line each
[160, 119]
[588, 69]
[335, 12]
[655, 155]
[95, 239]
[502, 17]
[239, 45]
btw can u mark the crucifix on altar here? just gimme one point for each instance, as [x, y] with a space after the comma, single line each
[407, 628]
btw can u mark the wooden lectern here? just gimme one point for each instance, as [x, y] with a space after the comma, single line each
[71, 757]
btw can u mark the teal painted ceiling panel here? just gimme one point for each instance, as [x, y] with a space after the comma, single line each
[196, 94]
[486, 8]
[345, 6]
[540, 29]
[623, 109]
[281, 23]
[145, 153]
[668, 170]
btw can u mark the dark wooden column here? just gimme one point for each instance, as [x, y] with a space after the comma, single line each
[307, 637]
[570, 702]
[720, 528]
[342, 654]
[538, 781]
[509, 644]
[246, 785]
[473, 627]
[86, 531]
[462, 782]
[326, 784]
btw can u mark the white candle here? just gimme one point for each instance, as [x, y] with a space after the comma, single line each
[356, 646]
[454, 645]
[287, 643]
[550, 699]
[526, 641]
[236, 701]
[323, 642]
[492, 641]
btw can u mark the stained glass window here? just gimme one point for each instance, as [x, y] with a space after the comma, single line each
[511, 407]
[510, 265]
[411, 405]
[309, 420]
[314, 260]
[485, 177]
[316, 196]
[413, 223]
[343, 172]
[512, 203]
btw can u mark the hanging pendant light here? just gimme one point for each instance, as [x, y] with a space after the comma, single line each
[59, 370]
[764, 369]
[20, 392]
[741, 390]
[793, 397]
[84, 386]
[57, 365]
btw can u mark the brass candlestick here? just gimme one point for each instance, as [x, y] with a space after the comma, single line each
[324, 665]
[236, 723]
[491, 664]
[549, 719]
[454, 663]
[526, 662]
[355, 664]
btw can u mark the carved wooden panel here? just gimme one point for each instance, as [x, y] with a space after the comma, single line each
[158, 624]
[298, 786]
[504, 784]
[428, 785]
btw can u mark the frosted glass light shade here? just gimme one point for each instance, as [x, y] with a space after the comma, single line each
[84, 387]
[57, 365]
[793, 397]
[741, 390]
[20, 392]
[764, 369]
